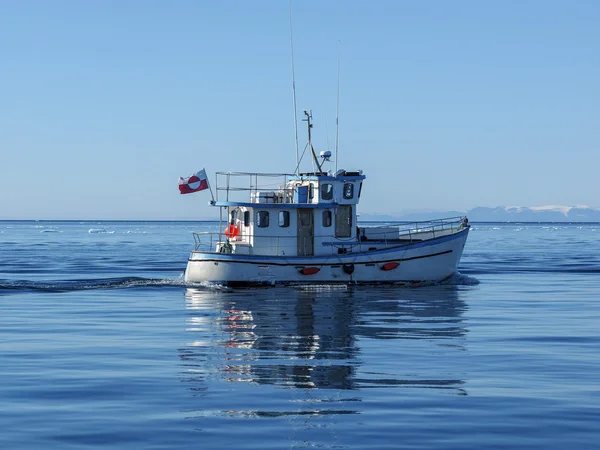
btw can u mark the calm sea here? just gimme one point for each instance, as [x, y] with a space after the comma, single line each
[103, 346]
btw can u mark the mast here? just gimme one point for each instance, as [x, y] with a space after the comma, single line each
[337, 109]
[294, 88]
[312, 149]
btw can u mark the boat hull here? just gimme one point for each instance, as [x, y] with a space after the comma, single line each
[428, 261]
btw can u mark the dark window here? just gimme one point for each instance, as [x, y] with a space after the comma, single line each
[306, 219]
[246, 218]
[262, 219]
[348, 190]
[359, 189]
[311, 191]
[234, 214]
[326, 218]
[327, 191]
[284, 219]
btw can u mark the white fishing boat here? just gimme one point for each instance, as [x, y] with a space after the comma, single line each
[301, 228]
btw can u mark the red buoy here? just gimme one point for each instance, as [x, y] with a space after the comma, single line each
[309, 270]
[231, 231]
[390, 265]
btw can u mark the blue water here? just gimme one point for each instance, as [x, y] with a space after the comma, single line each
[102, 345]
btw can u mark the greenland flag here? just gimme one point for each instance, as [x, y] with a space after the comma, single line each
[195, 183]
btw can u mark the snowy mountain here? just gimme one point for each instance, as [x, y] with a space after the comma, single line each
[535, 214]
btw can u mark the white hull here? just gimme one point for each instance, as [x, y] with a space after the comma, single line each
[427, 261]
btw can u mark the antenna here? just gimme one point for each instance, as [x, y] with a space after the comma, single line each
[294, 86]
[337, 109]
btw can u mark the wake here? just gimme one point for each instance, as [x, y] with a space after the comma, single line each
[88, 284]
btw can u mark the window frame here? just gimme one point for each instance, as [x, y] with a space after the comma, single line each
[351, 190]
[283, 219]
[262, 219]
[327, 218]
[323, 192]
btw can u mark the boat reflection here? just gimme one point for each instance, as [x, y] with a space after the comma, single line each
[327, 338]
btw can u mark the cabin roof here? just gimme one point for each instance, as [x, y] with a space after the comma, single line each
[277, 205]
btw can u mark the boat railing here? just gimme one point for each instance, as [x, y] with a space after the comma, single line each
[250, 186]
[205, 240]
[381, 235]
[418, 230]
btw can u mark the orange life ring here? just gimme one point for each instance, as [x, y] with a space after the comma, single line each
[231, 231]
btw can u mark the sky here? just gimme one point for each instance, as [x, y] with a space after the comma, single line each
[443, 105]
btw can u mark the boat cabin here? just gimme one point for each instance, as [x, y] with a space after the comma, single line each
[308, 214]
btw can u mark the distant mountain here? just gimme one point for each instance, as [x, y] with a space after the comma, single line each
[501, 214]
[535, 214]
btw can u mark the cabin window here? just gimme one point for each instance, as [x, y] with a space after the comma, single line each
[348, 190]
[326, 218]
[327, 191]
[233, 215]
[284, 219]
[262, 219]
[359, 189]
[311, 191]
[306, 219]
[246, 218]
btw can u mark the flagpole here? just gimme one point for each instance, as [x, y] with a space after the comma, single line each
[209, 188]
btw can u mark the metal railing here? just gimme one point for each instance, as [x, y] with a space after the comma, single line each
[244, 186]
[417, 230]
[404, 233]
[210, 236]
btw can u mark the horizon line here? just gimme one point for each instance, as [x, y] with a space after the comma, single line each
[216, 220]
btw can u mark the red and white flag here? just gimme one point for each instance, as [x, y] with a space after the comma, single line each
[195, 183]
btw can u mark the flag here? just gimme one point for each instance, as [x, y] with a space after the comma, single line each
[194, 183]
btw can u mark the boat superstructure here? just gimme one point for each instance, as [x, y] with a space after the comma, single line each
[302, 228]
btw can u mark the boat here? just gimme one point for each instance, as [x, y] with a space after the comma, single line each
[302, 228]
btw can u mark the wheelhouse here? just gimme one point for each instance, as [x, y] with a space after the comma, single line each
[285, 214]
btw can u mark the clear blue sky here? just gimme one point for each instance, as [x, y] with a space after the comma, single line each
[444, 105]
